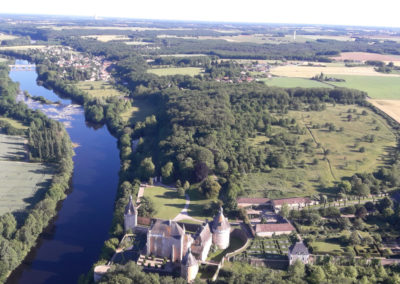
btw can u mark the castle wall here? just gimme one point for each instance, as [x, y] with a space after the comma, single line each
[189, 273]
[206, 249]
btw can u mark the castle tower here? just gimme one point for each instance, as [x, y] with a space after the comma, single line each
[221, 230]
[189, 267]
[130, 216]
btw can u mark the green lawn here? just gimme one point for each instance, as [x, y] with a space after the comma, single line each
[377, 87]
[197, 203]
[344, 158]
[167, 201]
[191, 71]
[320, 247]
[14, 123]
[22, 183]
[99, 89]
[234, 244]
[288, 82]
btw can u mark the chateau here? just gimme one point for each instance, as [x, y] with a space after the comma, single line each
[168, 239]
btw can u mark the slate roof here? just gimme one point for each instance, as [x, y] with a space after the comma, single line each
[299, 249]
[220, 222]
[289, 201]
[189, 260]
[266, 228]
[167, 228]
[130, 207]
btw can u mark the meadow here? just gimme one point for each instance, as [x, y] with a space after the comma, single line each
[190, 71]
[288, 82]
[14, 123]
[26, 182]
[141, 108]
[314, 172]
[99, 89]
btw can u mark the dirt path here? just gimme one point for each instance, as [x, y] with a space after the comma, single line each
[183, 215]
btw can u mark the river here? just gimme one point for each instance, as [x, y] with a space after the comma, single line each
[73, 242]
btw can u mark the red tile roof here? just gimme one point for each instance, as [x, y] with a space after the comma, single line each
[289, 201]
[283, 227]
[252, 200]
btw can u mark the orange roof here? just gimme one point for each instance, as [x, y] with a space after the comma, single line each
[252, 200]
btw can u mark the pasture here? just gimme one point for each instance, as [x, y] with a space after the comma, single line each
[287, 82]
[26, 182]
[141, 108]
[190, 71]
[316, 171]
[99, 89]
[377, 87]
[167, 201]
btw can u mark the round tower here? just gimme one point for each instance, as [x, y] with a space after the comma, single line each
[130, 216]
[221, 230]
[189, 266]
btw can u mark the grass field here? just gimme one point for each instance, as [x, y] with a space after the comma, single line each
[101, 89]
[344, 158]
[25, 182]
[14, 123]
[197, 203]
[287, 82]
[191, 71]
[377, 87]
[310, 71]
[22, 47]
[167, 201]
[141, 108]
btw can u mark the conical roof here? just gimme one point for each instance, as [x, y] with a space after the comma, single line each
[220, 222]
[189, 259]
[130, 208]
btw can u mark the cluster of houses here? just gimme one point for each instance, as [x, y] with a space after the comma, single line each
[66, 57]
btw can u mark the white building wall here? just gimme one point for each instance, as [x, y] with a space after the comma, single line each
[189, 273]
[206, 249]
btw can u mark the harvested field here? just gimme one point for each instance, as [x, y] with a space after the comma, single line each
[364, 56]
[106, 38]
[6, 37]
[26, 182]
[191, 71]
[310, 71]
[390, 107]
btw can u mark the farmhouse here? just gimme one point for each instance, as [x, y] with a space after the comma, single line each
[268, 230]
[245, 202]
[293, 203]
[298, 251]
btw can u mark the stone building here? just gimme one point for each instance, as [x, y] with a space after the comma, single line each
[168, 239]
[189, 267]
[221, 230]
[130, 216]
[298, 251]
[202, 242]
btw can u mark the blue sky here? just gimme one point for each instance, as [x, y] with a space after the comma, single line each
[337, 12]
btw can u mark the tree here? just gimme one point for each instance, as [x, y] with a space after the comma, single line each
[361, 212]
[201, 171]
[222, 166]
[317, 275]
[210, 187]
[8, 225]
[284, 212]
[181, 191]
[167, 172]
[147, 168]
[297, 270]
[147, 207]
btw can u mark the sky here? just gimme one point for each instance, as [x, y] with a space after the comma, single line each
[334, 12]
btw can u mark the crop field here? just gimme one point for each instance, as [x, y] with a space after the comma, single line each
[99, 89]
[390, 107]
[137, 43]
[364, 56]
[106, 38]
[167, 201]
[377, 87]
[287, 82]
[349, 152]
[310, 71]
[6, 37]
[22, 47]
[26, 182]
[191, 71]
[14, 123]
